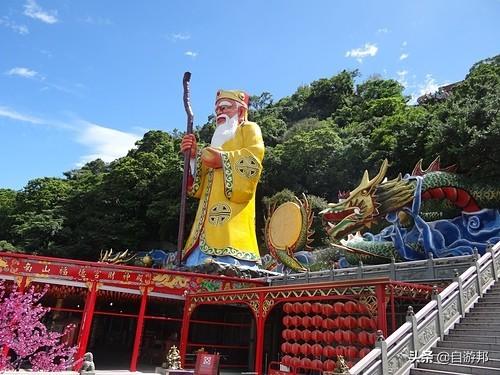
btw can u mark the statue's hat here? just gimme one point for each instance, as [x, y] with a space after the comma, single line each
[239, 96]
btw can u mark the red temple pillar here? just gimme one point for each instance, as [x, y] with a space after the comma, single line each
[185, 330]
[381, 308]
[138, 330]
[87, 317]
[260, 323]
[393, 310]
[23, 283]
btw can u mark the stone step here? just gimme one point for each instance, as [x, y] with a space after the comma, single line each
[477, 324]
[472, 336]
[474, 346]
[460, 368]
[493, 357]
[487, 335]
[484, 303]
[489, 316]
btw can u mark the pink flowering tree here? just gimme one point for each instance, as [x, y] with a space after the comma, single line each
[25, 342]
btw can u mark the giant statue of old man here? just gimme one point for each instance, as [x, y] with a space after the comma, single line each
[224, 178]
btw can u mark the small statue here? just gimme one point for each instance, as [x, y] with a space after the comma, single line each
[341, 366]
[88, 366]
[174, 359]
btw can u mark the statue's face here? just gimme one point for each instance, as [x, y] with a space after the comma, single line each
[225, 109]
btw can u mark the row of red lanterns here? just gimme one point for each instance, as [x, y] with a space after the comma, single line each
[348, 322]
[328, 351]
[338, 308]
[314, 364]
[338, 336]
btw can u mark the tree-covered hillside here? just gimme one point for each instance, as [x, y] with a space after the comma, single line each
[318, 141]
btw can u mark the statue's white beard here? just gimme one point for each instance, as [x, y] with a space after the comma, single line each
[224, 132]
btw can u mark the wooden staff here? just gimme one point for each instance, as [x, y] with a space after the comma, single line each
[187, 157]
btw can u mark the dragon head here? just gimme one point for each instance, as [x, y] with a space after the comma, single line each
[357, 210]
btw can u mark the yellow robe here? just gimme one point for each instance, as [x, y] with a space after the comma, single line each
[225, 220]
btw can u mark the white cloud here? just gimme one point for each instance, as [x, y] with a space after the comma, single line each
[429, 86]
[20, 29]
[405, 43]
[179, 36]
[97, 21]
[404, 56]
[23, 72]
[13, 115]
[33, 10]
[191, 53]
[365, 51]
[402, 77]
[383, 30]
[104, 143]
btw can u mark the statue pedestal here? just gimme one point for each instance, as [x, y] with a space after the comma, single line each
[166, 371]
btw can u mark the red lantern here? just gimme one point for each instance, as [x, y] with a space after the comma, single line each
[285, 347]
[327, 309]
[364, 322]
[350, 307]
[306, 307]
[317, 336]
[339, 336]
[317, 320]
[363, 352]
[327, 323]
[350, 322]
[329, 351]
[329, 365]
[373, 323]
[338, 307]
[340, 350]
[286, 321]
[306, 335]
[306, 321]
[316, 364]
[286, 360]
[317, 350]
[297, 307]
[305, 363]
[288, 308]
[362, 308]
[372, 337]
[316, 308]
[329, 337]
[297, 334]
[363, 338]
[295, 362]
[296, 320]
[351, 352]
[305, 349]
[286, 334]
[349, 337]
[295, 348]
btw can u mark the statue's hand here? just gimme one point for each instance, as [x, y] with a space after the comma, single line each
[189, 143]
[211, 157]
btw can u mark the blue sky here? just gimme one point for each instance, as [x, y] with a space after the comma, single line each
[86, 79]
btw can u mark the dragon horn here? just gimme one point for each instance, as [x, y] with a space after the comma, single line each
[365, 181]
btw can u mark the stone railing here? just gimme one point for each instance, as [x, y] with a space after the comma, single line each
[420, 270]
[396, 354]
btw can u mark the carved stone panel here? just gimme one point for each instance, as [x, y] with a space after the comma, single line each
[469, 293]
[450, 312]
[399, 360]
[427, 334]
